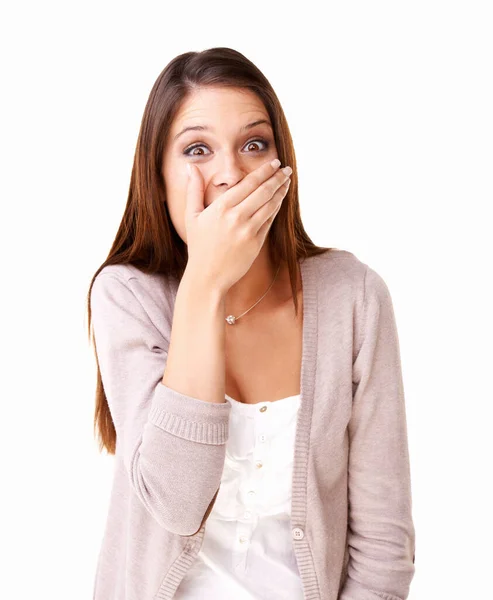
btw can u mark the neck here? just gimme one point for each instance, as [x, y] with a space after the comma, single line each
[256, 281]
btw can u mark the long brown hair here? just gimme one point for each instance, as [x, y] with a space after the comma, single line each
[146, 237]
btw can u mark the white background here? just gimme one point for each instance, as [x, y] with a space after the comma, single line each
[390, 107]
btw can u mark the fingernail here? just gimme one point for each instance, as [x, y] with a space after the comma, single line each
[275, 163]
[189, 169]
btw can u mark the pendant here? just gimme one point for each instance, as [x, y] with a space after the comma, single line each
[231, 319]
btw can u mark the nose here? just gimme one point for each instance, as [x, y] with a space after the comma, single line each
[228, 171]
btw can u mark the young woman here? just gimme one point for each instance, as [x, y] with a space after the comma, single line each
[249, 381]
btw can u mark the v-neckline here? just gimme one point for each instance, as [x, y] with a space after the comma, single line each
[309, 338]
[309, 334]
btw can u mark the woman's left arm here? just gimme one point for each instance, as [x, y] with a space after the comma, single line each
[381, 535]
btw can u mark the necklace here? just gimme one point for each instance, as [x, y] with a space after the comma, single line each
[232, 320]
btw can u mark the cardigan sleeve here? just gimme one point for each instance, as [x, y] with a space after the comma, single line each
[381, 535]
[172, 445]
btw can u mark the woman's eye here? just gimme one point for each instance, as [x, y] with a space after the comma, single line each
[188, 151]
[255, 143]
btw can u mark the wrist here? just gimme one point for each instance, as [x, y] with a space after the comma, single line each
[202, 286]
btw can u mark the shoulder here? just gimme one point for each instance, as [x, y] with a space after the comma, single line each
[127, 272]
[342, 274]
[338, 267]
[126, 287]
[134, 278]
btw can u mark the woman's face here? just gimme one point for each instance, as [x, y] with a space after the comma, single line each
[224, 145]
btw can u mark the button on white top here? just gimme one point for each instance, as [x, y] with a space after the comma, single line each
[251, 516]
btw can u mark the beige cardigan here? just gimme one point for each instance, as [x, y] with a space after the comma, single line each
[351, 515]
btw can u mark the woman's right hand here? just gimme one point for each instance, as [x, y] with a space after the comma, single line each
[225, 238]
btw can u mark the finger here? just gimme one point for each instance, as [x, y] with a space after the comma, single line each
[195, 191]
[262, 232]
[263, 195]
[250, 183]
[261, 219]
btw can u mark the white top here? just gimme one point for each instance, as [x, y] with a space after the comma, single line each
[247, 551]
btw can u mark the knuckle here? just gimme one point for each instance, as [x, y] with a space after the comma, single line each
[232, 218]
[247, 231]
[220, 206]
[281, 192]
[257, 178]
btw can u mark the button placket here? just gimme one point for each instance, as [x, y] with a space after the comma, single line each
[241, 565]
[259, 448]
[244, 530]
[258, 461]
[244, 533]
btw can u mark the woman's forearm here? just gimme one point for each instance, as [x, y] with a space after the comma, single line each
[196, 355]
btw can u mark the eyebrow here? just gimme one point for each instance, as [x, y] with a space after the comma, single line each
[205, 128]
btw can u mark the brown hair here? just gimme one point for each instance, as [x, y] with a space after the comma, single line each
[146, 237]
